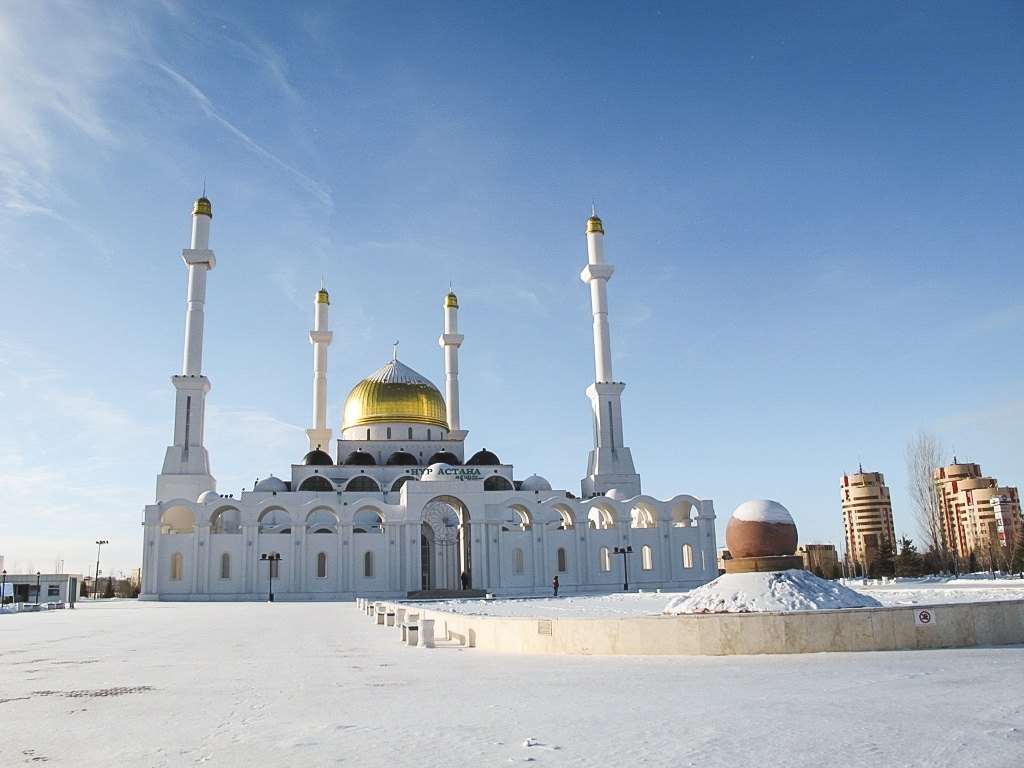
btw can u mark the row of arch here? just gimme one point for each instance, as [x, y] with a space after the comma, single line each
[361, 458]
[366, 484]
[369, 518]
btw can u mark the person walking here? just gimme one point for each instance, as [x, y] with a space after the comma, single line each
[465, 580]
[554, 585]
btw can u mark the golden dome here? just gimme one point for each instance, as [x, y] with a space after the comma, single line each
[451, 300]
[394, 393]
[322, 297]
[594, 225]
[202, 206]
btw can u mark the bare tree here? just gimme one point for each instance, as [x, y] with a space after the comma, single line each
[924, 456]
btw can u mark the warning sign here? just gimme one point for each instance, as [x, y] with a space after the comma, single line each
[924, 617]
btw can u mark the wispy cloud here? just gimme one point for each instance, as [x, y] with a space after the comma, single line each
[314, 187]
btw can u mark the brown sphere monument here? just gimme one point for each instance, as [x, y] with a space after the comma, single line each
[761, 536]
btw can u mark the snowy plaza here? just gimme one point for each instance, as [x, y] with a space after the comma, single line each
[285, 684]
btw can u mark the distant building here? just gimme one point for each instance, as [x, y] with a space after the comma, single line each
[867, 517]
[976, 511]
[820, 559]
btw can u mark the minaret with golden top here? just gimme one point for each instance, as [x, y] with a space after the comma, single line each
[320, 337]
[611, 463]
[186, 470]
[451, 340]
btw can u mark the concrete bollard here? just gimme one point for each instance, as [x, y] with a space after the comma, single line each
[399, 617]
[426, 632]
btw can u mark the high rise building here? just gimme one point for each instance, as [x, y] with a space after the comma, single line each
[867, 517]
[977, 514]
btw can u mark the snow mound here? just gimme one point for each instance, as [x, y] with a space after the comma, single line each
[792, 590]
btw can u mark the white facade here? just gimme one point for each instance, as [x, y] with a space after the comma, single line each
[400, 508]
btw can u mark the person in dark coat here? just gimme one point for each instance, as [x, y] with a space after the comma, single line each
[554, 585]
[465, 580]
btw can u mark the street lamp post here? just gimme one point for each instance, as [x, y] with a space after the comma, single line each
[625, 565]
[271, 560]
[3, 590]
[37, 587]
[96, 577]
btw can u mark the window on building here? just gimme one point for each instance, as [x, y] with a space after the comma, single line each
[687, 556]
[321, 565]
[647, 558]
[368, 565]
[562, 564]
[225, 566]
[517, 560]
[176, 566]
[53, 590]
[606, 559]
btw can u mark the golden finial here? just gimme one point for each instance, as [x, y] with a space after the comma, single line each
[451, 300]
[202, 206]
[322, 297]
[593, 223]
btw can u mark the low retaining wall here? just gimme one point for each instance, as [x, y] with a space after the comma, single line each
[956, 625]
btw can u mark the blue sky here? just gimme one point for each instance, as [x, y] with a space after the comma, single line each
[814, 211]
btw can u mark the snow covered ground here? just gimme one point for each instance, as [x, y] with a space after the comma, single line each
[283, 684]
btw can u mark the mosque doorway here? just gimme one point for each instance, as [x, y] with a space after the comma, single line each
[444, 544]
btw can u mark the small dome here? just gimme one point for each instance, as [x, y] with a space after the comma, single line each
[615, 494]
[401, 459]
[535, 483]
[317, 458]
[483, 458]
[594, 225]
[208, 496]
[436, 472]
[443, 457]
[203, 207]
[359, 459]
[394, 393]
[271, 484]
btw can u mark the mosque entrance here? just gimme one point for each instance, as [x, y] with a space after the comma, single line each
[444, 545]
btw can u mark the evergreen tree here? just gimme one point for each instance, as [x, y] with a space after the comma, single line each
[884, 563]
[108, 591]
[909, 562]
[83, 590]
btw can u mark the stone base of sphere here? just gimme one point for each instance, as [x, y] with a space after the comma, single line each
[763, 564]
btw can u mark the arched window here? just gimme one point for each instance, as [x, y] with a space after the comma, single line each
[362, 483]
[225, 566]
[498, 483]
[517, 560]
[687, 556]
[562, 560]
[177, 562]
[368, 565]
[410, 433]
[321, 565]
[317, 483]
[606, 560]
[389, 433]
[647, 558]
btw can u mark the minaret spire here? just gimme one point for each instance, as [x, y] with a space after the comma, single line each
[320, 337]
[186, 470]
[611, 463]
[451, 340]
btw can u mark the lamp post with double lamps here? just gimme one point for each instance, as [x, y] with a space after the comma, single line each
[37, 587]
[271, 560]
[3, 589]
[96, 576]
[625, 565]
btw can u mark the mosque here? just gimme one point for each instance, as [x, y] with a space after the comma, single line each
[403, 506]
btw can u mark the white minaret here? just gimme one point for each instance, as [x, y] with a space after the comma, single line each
[451, 340]
[186, 470]
[611, 464]
[320, 436]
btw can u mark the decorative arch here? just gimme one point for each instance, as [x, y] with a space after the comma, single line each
[400, 481]
[682, 512]
[600, 517]
[566, 520]
[516, 518]
[275, 520]
[321, 520]
[643, 515]
[226, 520]
[363, 484]
[317, 483]
[367, 520]
[177, 519]
[498, 483]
